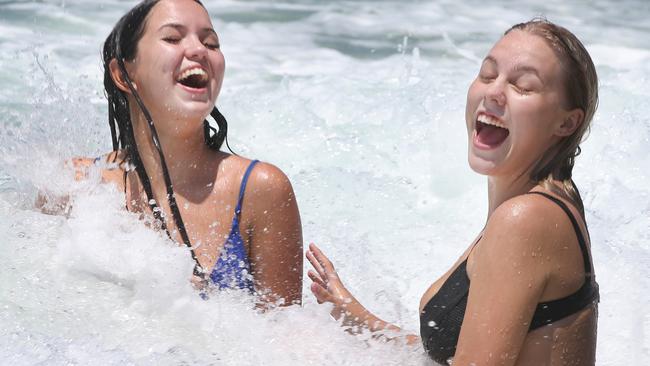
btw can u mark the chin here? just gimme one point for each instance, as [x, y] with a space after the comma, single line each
[193, 110]
[481, 166]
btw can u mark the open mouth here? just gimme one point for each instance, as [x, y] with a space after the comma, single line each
[195, 78]
[490, 131]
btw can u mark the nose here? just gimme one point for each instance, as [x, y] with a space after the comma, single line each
[496, 93]
[195, 50]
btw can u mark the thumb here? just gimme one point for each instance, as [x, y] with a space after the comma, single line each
[322, 295]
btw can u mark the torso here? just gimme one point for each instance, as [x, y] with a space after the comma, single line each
[206, 211]
[268, 224]
[570, 340]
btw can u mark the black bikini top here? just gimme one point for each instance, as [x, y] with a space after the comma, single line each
[442, 316]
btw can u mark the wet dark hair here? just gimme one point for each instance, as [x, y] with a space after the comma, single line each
[581, 91]
[121, 45]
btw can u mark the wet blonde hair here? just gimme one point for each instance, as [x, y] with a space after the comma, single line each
[581, 91]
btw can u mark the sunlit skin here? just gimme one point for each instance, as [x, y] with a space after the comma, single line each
[520, 83]
[179, 36]
[177, 39]
[528, 251]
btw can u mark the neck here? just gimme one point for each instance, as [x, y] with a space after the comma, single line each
[186, 155]
[501, 189]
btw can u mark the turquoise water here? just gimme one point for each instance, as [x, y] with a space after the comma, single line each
[361, 103]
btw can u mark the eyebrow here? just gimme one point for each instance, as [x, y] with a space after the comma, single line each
[519, 67]
[183, 28]
[489, 58]
[527, 69]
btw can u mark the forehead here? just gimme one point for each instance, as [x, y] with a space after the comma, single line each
[188, 13]
[519, 49]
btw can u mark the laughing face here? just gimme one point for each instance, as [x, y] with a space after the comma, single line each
[178, 69]
[515, 108]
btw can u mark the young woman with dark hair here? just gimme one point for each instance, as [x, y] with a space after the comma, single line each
[163, 70]
[524, 292]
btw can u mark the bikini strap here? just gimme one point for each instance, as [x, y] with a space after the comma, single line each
[576, 228]
[242, 189]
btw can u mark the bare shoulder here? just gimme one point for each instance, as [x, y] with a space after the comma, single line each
[265, 177]
[267, 189]
[528, 212]
[269, 177]
[522, 245]
[526, 224]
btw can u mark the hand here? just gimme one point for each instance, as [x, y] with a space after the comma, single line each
[50, 204]
[199, 283]
[81, 167]
[326, 285]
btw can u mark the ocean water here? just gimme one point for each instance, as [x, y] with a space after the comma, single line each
[361, 103]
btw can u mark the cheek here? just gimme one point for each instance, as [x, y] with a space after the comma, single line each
[473, 100]
[152, 70]
[218, 68]
[537, 116]
[219, 65]
[532, 137]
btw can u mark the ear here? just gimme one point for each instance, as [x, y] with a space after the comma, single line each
[572, 120]
[118, 77]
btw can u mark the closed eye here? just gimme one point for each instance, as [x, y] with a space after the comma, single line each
[212, 45]
[522, 89]
[172, 40]
[487, 77]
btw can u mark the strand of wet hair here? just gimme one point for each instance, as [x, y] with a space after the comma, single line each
[127, 140]
[221, 135]
[134, 157]
[173, 206]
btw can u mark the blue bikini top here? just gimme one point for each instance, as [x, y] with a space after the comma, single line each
[233, 269]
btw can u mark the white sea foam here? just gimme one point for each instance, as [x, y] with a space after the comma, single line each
[362, 105]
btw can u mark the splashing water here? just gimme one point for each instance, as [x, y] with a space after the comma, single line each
[361, 104]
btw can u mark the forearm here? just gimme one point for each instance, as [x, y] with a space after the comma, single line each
[356, 317]
[353, 314]
[328, 288]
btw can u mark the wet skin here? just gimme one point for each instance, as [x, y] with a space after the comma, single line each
[528, 251]
[178, 71]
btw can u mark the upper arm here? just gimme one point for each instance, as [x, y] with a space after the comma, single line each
[509, 273]
[275, 235]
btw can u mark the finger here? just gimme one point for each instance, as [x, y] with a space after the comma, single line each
[81, 162]
[321, 294]
[314, 277]
[322, 258]
[316, 264]
[80, 174]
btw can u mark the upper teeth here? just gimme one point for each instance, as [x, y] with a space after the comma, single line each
[489, 120]
[193, 71]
